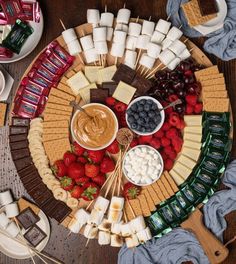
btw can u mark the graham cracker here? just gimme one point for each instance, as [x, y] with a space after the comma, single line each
[215, 94]
[66, 108]
[64, 80]
[55, 149]
[207, 71]
[163, 189]
[213, 82]
[167, 185]
[57, 100]
[78, 68]
[158, 191]
[216, 104]
[56, 111]
[148, 197]
[70, 73]
[78, 98]
[54, 117]
[135, 204]
[50, 137]
[215, 87]
[62, 123]
[128, 211]
[193, 14]
[62, 94]
[144, 205]
[23, 204]
[66, 221]
[56, 130]
[211, 76]
[65, 88]
[153, 194]
[3, 110]
[171, 181]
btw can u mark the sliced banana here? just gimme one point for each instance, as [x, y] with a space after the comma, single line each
[72, 202]
[60, 194]
[45, 171]
[51, 183]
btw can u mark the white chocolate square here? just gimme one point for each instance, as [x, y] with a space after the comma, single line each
[106, 74]
[91, 73]
[77, 82]
[124, 92]
[85, 92]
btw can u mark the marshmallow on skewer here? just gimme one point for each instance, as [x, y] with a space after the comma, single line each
[99, 34]
[153, 50]
[101, 204]
[142, 42]
[174, 63]
[130, 58]
[74, 47]
[177, 47]
[147, 61]
[137, 224]
[131, 42]
[185, 54]
[123, 16]
[117, 203]
[82, 216]
[105, 225]
[95, 217]
[116, 228]
[101, 47]
[12, 210]
[119, 37]
[116, 241]
[144, 235]
[117, 50]
[132, 241]
[107, 19]
[109, 33]
[12, 229]
[74, 226]
[69, 35]
[87, 42]
[91, 55]
[5, 198]
[104, 238]
[114, 216]
[166, 43]
[163, 26]
[157, 37]
[148, 27]
[93, 16]
[134, 29]
[4, 220]
[166, 56]
[126, 230]
[122, 27]
[174, 33]
[90, 231]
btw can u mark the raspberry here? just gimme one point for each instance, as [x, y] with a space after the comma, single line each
[198, 108]
[177, 144]
[134, 143]
[166, 126]
[172, 133]
[191, 99]
[164, 156]
[144, 139]
[173, 98]
[155, 143]
[181, 124]
[120, 107]
[110, 101]
[168, 149]
[174, 119]
[189, 109]
[172, 155]
[159, 134]
[168, 164]
[165, 142]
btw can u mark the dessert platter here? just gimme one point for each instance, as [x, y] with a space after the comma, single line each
[121, 129]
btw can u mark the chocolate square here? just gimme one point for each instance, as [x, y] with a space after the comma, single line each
[50, 206]
[19, 145]
[141, 84]
[98, 95]
[30, 177]
[20, 121]
[22, 163]
[27, 170]
[61, 212]
[15, 138]
[42, 197]
[31, 181]
[20, 153]
[124, 73]
[111, 86]
[35, 235]
[207, 7]
[14, 130]
[27, 218]
[37, 190]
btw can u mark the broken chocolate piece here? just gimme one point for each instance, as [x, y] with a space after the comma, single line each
[124, 73]
[111, 86]
[99, 95]
[15, 138]
[22, 163]
[27, 218]
[207, 7]
[18, 130]
[20, 153]
[35, 235]
[19, 145]
[141, 84]
[19, 121]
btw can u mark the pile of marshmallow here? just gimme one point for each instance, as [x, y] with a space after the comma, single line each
[111, 230]
[11, 210]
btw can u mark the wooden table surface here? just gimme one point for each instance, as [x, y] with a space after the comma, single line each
[73, 13]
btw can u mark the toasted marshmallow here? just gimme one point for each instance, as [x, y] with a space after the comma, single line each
[95, 217]
[126, 230]
[114, 216]
[116, 241]
[90, 231]
[137, 224]
[82, 216]
[105, 225]
[74, 226]
[104, 238]
[116, 228]
[132, 241]
[101, 204]
[117, 203]
[144, 235]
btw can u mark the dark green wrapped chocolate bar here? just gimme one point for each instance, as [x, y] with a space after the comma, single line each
[214, 116]
[169, 216]
[191, 194]
[216, 154]
[216, 128]
[219, 142]
[177, 208]
[211, 165]
[184, 202]
[156, 223]
[205, 176]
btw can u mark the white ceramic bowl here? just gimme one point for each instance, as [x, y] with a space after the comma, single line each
[100, 147]
[162, 113]
[2, 83]
[153, 180]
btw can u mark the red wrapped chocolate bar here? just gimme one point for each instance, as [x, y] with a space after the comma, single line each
[60, 52]
[12, 10]
[33, 87]
[5, 53]
[24, 109]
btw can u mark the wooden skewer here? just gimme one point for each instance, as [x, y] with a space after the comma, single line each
[105, 8]
[139, 67]
[150, 18]
[154, 70]
[124, 5]
[168, 17]
[146, 72]
[116, 59]
[62, 24]
[138, 57]
[142, 71]
[137, 19]
[180, 26]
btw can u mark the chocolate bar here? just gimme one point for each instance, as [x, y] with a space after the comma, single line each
[20, 153]
[36, 189]
[27, 218]
[50, 206]
[30, 177]
[18, 130]
[19, 145]
[98, 95]
[35, 235]
[111, 86]
[22, 163]
[141, 84]
[124, 73]
[27, 170]
[18, 121]
[208, 7]
[31, 182]
[61, 212]
[41, 198]
[15, 138]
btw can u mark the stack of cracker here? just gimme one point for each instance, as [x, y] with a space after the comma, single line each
[151, 196]
[214, 93]
[3, 110]
[193, 13]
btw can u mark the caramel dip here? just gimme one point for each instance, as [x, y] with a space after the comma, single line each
[96, 131]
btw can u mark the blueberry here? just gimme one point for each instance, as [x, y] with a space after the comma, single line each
[147, 107]
[146, 125]
[134, 107]
[143, 114]
[134, 126]
[149, 101]
[140, 108]
[136, 116]
[151, 114]
[143, 129]
[154, 107]
[131, 119]
[140, 121]
[138, 128]
[157, 119]
[152, 126]
[148, 129]
[143, 101]
[147, 119]
[129, 111]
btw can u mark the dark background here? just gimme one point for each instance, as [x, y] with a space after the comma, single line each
[73, 13]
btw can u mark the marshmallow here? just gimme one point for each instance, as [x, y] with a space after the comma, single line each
[116, 241]
[117, 50]
[123, 16]
[101, 204]
[91, 55]
[157, 37]
[126, 230]
[163, 26]
[114, 216]
[132, 241]
[69, 35]
[87, 42]
[4, 221]
[153, 50]
[185, 54]
[147, 61]
[12, 229]
[6, 198]
[90, 231]
[134, 29]
[122, 27]
[93, 16]
[142, 41]
[177, 47]
[137, 224]
[174, 33]
[130, 58]
[104, 238]
[82, 216]
[99, 34]
[116, 228]
[74, 47]
[74, 226]
[119, 37]
[117, 203]
[109, 33]
[105, 225]
[131, 42]
[166, 43]
[101, 47]
[148, 27]
[144, 235]
[107, 19]
[166, 56]
[12, 210]
[95, 217]
[174, 63]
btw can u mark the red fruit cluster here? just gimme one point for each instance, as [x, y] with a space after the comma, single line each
[192, 105]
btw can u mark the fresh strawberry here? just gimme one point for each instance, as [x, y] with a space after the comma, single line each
[99, 179]
[165, 141]
[107, 165]
[120, 107]
[69, 158]
[77, 191]
[91, 170]
[77, 149]
[172, 133]
[114, 148]
[59, 168]
[110, 101]
[155, 143]
[82, 160]
[191, 99]
[67, 183]
[189, 109]
[96, 155]
[198, 108]
[82, 180]
[166, 126]
[134, 143]
[76, 170]
[131, 191]
[144, 139]
[91, 191]
[159, 134]
[168, 164]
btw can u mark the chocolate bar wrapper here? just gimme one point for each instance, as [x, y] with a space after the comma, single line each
[12, 10]
[24, 109]
[18, 121]
[33, 87]
[62, 53]
[15, 138]
[18, 130]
